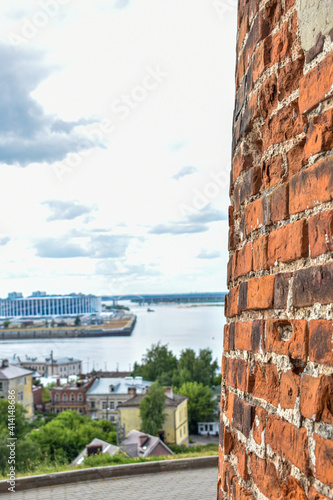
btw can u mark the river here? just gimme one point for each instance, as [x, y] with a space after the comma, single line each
[178, 326]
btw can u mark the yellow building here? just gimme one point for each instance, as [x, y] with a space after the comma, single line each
[176, 422]
[19, 380]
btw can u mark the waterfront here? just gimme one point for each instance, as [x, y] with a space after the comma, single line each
[178, 326]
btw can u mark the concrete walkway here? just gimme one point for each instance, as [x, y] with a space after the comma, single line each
[198, 484]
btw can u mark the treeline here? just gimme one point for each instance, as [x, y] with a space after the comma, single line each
[192, 375]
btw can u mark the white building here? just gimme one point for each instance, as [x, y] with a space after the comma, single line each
[49, 366]
[208, 428]
[40, 304]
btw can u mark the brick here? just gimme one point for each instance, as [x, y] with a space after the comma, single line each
[249, 335]
[231, 239]
[266, 477]
[259, 424]
[240, 70]
[321, 342]
[232, 336]
[289, 388]
[241, 162]
[289, 4]
[321, 233]
[228, 440]
[320, 134]
[288, 441]
[311, 186]
[231, 268]
[288, 243]
[249, 186]
[266, 383]
[244, 260]
[231, 215]
[288, 338]
[231, 303]
[242, 416]
[314, 495]
[296, 159]
[259, 31]
[242, 301]
[240, 493]
[245, 120]
[260, 62]
[316, 86]
[243, 335]
[243, 28]
[289, 77]
[316, 401]
[268, 96]
[256, 215]
[281, 289]
[242, 461]
[238, 374]
[279, 203]
[323, 469]
[273, 13]
[260, 293]
[313, 285]
[294, 490]
[272, 172]
[226, 338]
[281, 44]
[286, 124]
[260, 253]
[229, 476]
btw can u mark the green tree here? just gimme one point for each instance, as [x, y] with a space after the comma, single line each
[201, 404]
[157, 364]
[192, 368]
[152, 410]
[77, 321]
[6, 323]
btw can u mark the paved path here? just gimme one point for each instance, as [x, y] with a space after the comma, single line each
[197, 484]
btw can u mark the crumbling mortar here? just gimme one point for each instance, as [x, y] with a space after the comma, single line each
[328, 47]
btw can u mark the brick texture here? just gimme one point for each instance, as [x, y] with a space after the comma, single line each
[277, 365]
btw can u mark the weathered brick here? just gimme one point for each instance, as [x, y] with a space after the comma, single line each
[242, 416]
[321, 342]
[228, 477]
[243, 335]
[281, 288]
[272, 172]
[228, 440]
[266, 477]
[268, 96]
[311, 186]
[249, 186]
[317, 398]
[231, 239]
[260, 253]
[296, 159]
[257, 293]
[289, 77]
[289, 388]
[279, 203]
[245, 120]
[231, 268]
[312, 285]
[288, 441]
[316, 85]
[323, 469]
[226, 338]
[320, 134]
[321, 233]
[287, 337]
[231, 303]
[259, 424]
[294, 490]
[273, 12]
[244, 260]
[260, 62]
[281, 44]
[286, 124]
[241, 162]
[259, 30]
[242, 461]
[266, 383]
[240, 493]
[238, 374]
[256, 214]
[288, 243]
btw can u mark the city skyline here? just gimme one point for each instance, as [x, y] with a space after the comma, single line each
[115, 152]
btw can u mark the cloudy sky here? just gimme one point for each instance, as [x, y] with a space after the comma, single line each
[115, 132]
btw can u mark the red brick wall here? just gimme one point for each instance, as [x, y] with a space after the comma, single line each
[276, 436]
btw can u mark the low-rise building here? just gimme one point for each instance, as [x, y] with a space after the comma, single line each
[175, 427]
[137, 444]
[19, 380]
[50, 366]
[93, 448]
[71, 396]
[106, 394]
[208, 428]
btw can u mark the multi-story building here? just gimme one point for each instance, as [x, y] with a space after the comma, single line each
[20, 380]
[69, 397]
[60, 367]
[106, 394]
[175, 427]
[40, 304]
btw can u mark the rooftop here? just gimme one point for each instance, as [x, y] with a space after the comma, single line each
[134, 402]
[10, 372]
[118, 385]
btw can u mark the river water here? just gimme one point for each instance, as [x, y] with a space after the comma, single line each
[178, 326]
